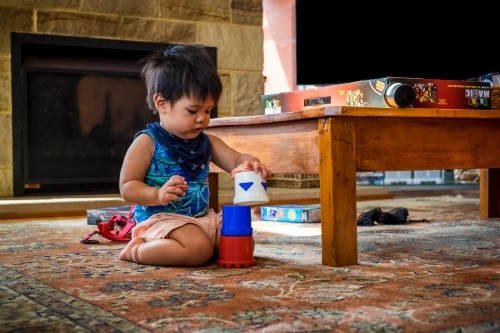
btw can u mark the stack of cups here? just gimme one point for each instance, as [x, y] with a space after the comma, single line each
[236, 237]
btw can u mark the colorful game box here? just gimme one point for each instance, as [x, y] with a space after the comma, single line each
[385, 92]
[105, 214]
[494, 80]
[291, 213]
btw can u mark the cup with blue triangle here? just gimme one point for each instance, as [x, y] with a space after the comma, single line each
[249, 189]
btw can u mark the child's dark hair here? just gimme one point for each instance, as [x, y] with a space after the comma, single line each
[181, 70]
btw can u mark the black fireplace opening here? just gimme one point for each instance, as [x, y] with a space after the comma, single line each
[77, 104]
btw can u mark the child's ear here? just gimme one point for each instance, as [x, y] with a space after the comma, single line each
[160, 103]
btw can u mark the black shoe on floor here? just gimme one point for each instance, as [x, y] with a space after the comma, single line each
[368, 218]
[395, 216]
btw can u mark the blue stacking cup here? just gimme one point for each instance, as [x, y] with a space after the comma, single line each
[236, 221]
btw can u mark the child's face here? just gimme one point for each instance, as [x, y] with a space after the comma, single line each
[187, 118]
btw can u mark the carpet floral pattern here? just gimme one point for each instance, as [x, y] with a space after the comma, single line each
[439, 276]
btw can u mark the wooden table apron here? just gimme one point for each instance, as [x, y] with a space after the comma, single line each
[337, 142]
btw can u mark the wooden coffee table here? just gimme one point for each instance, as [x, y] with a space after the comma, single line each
[337, 142]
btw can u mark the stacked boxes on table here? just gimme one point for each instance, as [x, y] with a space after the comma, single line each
[385, 92]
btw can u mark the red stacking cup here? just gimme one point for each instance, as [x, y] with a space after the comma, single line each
[236, 252]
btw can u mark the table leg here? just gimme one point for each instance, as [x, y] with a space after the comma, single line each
[489, 193]
[213, 188]
[337, 172]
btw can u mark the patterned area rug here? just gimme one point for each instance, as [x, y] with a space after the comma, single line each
[440, 276]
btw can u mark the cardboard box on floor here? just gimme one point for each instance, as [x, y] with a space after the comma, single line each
[291, 213]
[105, 214]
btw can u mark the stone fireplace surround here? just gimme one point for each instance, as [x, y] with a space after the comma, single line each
[233, 27]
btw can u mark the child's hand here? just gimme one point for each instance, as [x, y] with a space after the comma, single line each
[173, 189]
[252, 165]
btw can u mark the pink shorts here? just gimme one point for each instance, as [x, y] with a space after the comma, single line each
[160, 225]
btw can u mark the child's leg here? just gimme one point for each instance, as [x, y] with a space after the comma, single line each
[217, 234]
[215, 256]
[188, 245]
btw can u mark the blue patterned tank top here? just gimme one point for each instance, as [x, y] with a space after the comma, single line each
[163, 166]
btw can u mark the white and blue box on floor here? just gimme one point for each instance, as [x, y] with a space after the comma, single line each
[291, 213]
[105, 214]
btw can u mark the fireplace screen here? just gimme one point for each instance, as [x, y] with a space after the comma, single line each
[76, 105]
[79, 126]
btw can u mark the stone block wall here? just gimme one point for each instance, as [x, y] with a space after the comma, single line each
[233, 26]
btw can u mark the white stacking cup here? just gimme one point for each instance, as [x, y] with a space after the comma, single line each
[249, 189]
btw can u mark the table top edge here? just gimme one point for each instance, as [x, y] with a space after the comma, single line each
[349, 111]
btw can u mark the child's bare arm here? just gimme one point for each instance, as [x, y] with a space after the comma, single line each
[135, 165]
[233, 162]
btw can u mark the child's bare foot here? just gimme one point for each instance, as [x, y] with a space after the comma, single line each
[129, 252]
